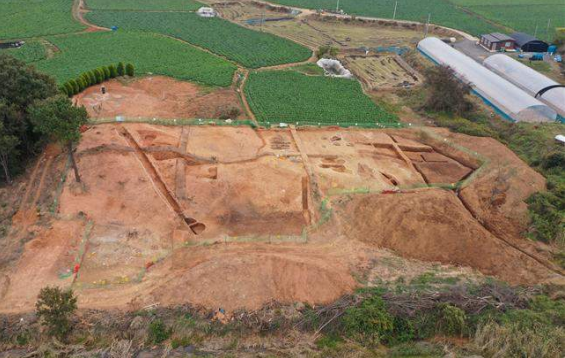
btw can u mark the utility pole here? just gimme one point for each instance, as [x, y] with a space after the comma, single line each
[394, 13]
[337, 6]
[427, 25]
[547, 30]
[536, 31]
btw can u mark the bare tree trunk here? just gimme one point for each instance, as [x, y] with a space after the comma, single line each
[74, 164]
[6, 171]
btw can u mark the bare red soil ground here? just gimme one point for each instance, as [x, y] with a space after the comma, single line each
[232, 217]
[157, 97]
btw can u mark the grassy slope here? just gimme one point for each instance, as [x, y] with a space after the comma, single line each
[29, 18]
[87, 51]
[288, 96]
[250, 48]
[187, 5]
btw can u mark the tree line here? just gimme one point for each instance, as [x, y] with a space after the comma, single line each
[33, 111]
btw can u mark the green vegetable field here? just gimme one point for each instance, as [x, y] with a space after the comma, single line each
[442, 11]
[186, 5]
[288, 96]
[250, 48]
[29, 18]
[83, 52]
[32, 51]
[521, 15]
[473, 16]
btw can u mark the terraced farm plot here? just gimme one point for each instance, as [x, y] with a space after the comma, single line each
[379, 72]
[32, 51]
[250, 48]
[442, 12]
[29, 18]
[83, 52]
[288, 96]
[313, 32]
[187, 5]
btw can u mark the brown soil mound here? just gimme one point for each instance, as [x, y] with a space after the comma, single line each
[157, 97]
[250, 276]
[434, 225]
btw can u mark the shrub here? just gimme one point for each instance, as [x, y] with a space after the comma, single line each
[107, 74]
[451, 320]
[130, 70]
[369, 322]
[158, 332]
[69, 90]
[113, 71]
[121, 69]
[81, 84]
[99, 75]
[55, 308]
[230, 112]
[447, 93]
[64, 90]
[92, 78]
[85, 78]
[75, 86]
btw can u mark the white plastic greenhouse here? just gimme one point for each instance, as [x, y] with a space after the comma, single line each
[495, 90]
[529, 80]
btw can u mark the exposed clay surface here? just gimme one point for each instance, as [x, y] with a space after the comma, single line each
[232, 217]
[157, 97]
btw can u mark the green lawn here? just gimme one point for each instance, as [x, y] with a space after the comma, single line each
[30, 18]
[288, 96]
[188, 5]
[250, 48]
[83, 52]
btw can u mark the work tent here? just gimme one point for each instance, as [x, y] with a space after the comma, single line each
[530, 80]
[528, 43]
[495, 90]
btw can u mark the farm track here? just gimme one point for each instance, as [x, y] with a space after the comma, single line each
[77, 12]
[241, 91]
[306, 12]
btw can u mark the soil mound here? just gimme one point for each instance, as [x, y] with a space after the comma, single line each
[251, 276]
[434, 225]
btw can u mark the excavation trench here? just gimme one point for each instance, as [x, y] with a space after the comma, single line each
[196, 227]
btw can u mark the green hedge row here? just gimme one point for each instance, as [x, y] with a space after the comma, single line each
[96, 76]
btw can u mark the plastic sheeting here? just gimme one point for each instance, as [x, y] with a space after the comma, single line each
[334, 68]
[500, 93]
[528, 79]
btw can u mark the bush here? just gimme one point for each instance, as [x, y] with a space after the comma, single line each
[158, 332]
[99, 76]
[55, 308]
[81, 84]
[75, 86]
[369, 322]
[69, 90]
[451, 320]
[92, 78]
[129, 70]
[121, 69]
[113, 71]
[230, 112]
[447, 93]
[107, 74]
